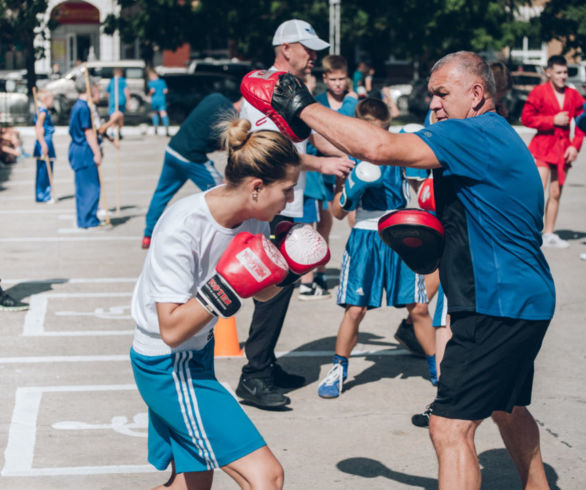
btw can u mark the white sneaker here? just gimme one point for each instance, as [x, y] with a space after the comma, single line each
[582, 256]
[554, 241]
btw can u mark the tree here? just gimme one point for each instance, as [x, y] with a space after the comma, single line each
[565, 20]
[163, 24]
[20, 22]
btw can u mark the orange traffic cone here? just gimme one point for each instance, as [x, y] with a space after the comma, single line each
[226, 338]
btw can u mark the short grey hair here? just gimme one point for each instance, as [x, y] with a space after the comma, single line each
[471, 63]
[80, 85]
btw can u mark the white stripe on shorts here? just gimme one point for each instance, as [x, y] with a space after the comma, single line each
[190, 409]
[420, 291]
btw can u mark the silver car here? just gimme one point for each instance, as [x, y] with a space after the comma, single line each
[65, 94]
[15, 105]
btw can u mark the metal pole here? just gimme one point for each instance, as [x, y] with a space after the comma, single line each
[335, 26]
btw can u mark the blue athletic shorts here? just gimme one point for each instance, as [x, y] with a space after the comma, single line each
[369, 268]
[311, 209]
[193, 419]
[441, 309]
[158, 105]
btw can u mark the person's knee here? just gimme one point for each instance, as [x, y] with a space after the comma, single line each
[272, 477]
[418, 310]
[356, 313]
[446, 432]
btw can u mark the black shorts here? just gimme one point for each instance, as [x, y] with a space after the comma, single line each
[487, 365]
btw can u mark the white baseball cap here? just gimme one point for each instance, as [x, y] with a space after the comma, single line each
[298, 31]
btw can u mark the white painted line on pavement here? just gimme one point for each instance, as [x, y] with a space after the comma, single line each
[20, 450]
[90, 280]
[34, 321]
[125, 357]
[93, 235]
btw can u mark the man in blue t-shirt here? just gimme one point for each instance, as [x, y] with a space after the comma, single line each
[501, 295]
[186, 156]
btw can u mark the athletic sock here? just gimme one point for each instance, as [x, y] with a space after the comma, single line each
[343, 361]
[155, 120]
[432, 369]
[165, 120]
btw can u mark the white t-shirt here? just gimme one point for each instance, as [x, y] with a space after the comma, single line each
[260, 122]
[187, 244]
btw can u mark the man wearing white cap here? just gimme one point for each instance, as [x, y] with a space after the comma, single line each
[295, 43]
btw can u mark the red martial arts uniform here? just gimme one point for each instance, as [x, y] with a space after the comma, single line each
[551, 142]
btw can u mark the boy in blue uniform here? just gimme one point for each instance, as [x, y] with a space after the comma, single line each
[117, 87]
[369, 267]
[44, 148]
[84, 158]
[157, 91]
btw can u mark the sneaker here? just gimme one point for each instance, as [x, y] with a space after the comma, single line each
[582, 256]
[313, 292]
[146, 242]
[554, 241]
[405, 335]
[333, 384]
[261, 392]
[283, 379]
[422, 419]
[8, 303]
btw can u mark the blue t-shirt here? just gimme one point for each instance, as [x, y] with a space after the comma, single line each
[112, 94]
[80, 153]
[159, 85]
[489, 198]
[198, 135]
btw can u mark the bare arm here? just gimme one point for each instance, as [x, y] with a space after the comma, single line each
[339, 166]
[179, 322]
[366, 142]
[40, 133]
[92, 140]
[324, 146]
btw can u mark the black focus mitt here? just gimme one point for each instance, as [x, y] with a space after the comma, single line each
[416, 235]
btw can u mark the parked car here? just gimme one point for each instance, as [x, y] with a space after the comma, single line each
[523, 82]
[133, 70]
[418, 99]
[15, 105]
[577, 77]
[186, 90]
[230, 67]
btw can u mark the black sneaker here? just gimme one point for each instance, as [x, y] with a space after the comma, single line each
[283, 379]
[261, 392]
[8, 303]
[405, 335]
[422, 419]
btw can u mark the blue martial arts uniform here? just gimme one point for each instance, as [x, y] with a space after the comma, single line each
[42, 182]
[81, 159]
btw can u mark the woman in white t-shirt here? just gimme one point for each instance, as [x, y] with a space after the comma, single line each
[194, 422]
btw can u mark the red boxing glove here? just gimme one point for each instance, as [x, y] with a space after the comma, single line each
[426, 196]
[303, 248]
[249, 264]
[257, 88]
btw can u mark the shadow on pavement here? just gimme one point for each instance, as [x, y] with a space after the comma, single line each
[498, 472]
[403, 366]
[571, 234]
[29, 288]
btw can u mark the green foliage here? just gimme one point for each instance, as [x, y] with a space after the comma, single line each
[565, 20]
[20, 22]
[163, 23]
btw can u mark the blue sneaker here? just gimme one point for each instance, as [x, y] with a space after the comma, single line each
[333, 384]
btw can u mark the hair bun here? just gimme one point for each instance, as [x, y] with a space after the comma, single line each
[237, 133]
